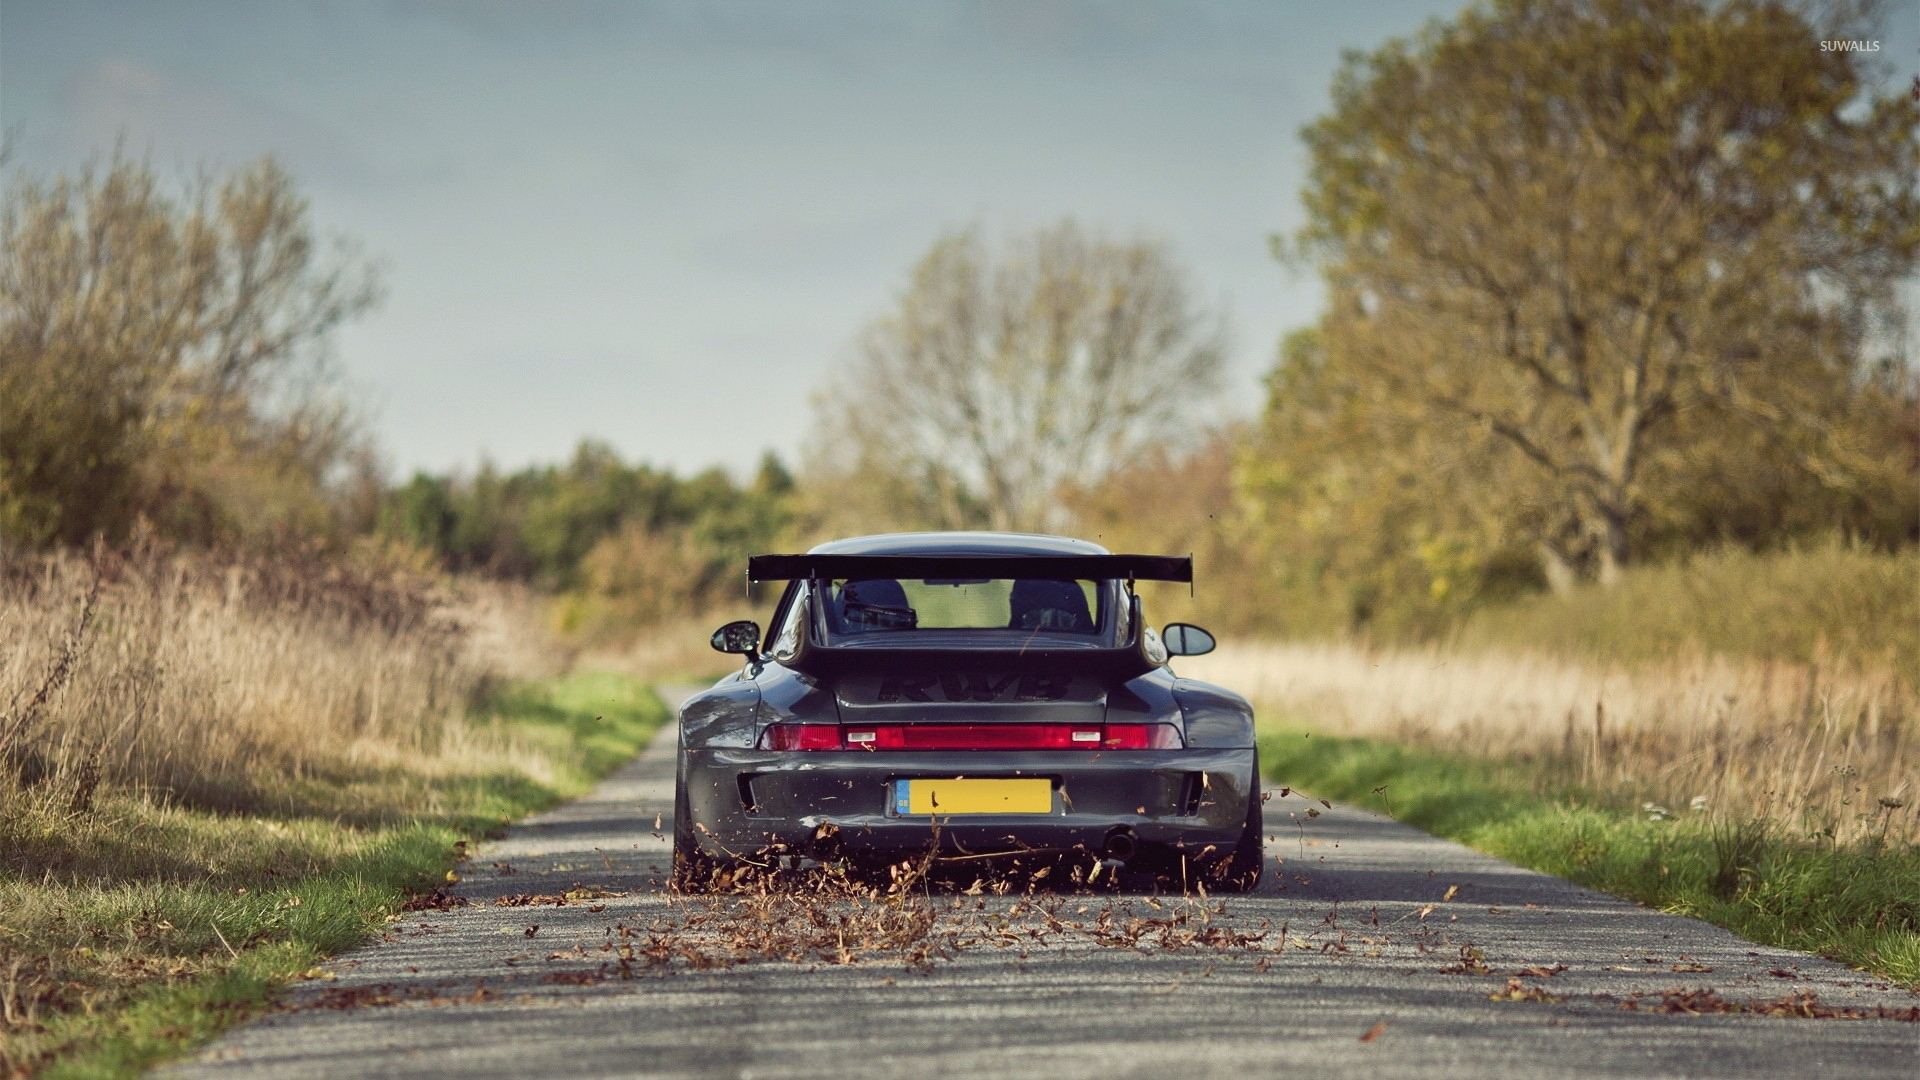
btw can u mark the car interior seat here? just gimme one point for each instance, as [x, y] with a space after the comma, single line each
[1049, 605]
[874, 604]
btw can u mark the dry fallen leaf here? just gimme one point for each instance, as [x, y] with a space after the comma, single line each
[1701, 1002]
[1452, 891]
[1473, 961]
[1515, 990]
[1373, 1032]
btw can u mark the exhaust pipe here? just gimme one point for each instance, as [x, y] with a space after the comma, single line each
[1120, 847]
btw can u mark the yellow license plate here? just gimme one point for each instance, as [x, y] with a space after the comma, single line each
[974, 796]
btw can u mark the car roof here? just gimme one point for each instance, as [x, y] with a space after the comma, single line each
[959, 543]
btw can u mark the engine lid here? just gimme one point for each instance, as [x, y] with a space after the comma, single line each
[970, 697]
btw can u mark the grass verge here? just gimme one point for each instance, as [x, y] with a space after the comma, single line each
[1857, 903]
[133, 933]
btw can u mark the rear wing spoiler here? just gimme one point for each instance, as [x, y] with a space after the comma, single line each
[1138, 655]
[921, 567]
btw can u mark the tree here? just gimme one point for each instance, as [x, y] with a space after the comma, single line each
[1183, 500]
[1605, 242]
[163, 357]
[1371, 525]
[626, 544]
[1001, 375]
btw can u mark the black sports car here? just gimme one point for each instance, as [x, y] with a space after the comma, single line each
[993, 694]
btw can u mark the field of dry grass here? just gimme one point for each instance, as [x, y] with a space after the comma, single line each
[677, 650]
[230, 687]
[1828, 750]
[212, 774]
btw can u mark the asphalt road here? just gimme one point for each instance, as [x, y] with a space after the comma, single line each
[1373, 950]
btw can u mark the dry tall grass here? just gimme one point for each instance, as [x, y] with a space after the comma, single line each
[1822, 749]
[672, 650]
[198, 757]
[226, 686]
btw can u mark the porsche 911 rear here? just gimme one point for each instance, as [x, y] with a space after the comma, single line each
[991, 694]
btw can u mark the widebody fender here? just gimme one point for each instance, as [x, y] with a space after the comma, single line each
[1217, 718]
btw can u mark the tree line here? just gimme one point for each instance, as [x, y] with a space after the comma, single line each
[631, 543]
[1608, 282]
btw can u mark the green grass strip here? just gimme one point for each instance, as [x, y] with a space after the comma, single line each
[280, 929]
[1859, 904]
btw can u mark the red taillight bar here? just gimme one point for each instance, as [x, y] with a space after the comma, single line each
[801, 737]
[971, 737]
[1142, 737]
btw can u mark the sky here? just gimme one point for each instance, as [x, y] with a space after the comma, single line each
[663, 225]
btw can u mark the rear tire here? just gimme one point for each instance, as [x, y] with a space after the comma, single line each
[1240, 870]
[692, 870]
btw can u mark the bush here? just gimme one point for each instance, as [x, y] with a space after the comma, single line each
[1823, 603]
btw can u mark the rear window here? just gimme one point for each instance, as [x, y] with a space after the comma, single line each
[882, 605]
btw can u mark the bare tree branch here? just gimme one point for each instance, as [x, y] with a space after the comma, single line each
[1004, 376]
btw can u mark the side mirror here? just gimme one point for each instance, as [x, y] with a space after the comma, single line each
[738, 637]
[1186, 639]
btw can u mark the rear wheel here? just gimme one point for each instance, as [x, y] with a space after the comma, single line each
[1239, 870]
[692, 870]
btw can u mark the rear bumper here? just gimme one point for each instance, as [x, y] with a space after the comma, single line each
[743, 801]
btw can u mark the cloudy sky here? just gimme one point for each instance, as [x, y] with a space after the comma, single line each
[662, 224]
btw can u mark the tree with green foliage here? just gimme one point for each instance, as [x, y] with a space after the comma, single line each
[1602, 275]
[162, 357]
